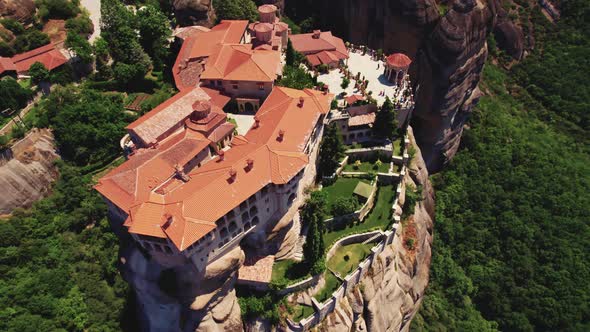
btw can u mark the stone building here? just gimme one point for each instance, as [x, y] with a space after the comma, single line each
[184, 198]
[269, 33]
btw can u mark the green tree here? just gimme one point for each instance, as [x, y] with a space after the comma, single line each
[296, 78]
[385, 121]
[38, 73]
[236, 10]
[313, 214]
[13, 95]
[290, 54]
[344, 206]
[57, 9]
[118, 30]
[155, 33]
[80, 46]
[80, 24]
[345, 83]
[331, 150]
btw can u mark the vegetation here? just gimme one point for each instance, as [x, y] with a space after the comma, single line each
[313, 214]
[386, 121]
[287, 272]
[379, 218]
[331, 285]
[366, 166]
[155, 33]
[80, 46]
[13, 95]
[236, 10]
[347, 258]
[296, 77]
[345, 205]
[341, 188]
[512, 224]
[265, 306]
[38, 73]
[57, 9]
[331, 150]
[87, 124]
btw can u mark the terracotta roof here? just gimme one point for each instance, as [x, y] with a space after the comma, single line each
[161, 205]
[350, 100]
[6, 64]
[361, 120]
[217, 97]
[399, 60]
[152, 126]
[200, 44]
[238, 62]
[307, 44]
[185, 32]
[48, 55]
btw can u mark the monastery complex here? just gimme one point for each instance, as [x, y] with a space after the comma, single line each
[191, 187]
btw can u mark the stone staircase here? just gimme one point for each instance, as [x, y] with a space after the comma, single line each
[298, 249]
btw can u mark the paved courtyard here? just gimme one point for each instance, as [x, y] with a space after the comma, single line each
[244, 122]
[371, 69]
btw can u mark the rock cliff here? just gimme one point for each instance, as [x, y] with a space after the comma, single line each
[449, 51]
[193, 12]
[390, 295]
[27, 170]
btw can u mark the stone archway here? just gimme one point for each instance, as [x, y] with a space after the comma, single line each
[248, 107]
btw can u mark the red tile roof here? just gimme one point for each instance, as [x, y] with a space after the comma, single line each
[161, 205]
[238, 62]
[6, 64]
[48, 55]
[399, 60]
[201, 44]
[325, 41]
[350, 100]
[361, 120]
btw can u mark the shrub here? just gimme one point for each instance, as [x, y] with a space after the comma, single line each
[344, 206]
[13, 25]
[18, 131]
[38, 73]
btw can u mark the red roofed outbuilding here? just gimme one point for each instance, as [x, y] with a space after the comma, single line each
[320, 48]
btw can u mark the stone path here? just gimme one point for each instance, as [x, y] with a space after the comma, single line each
[93, 7]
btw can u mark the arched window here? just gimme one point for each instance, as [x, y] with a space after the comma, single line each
[255, 221]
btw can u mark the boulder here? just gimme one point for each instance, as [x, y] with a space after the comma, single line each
[509, 37]
[193, 12]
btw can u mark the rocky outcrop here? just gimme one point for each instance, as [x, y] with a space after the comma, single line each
[27, 170]
[193, 12]
[182, 299]
[389, 296]
[21, 10]
[448, 51]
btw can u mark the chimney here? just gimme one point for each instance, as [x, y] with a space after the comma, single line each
[232, 175]
[179, 172]
[221, 155]
[256, 122]
[316, 34]
[281, 135]
[249, 163]
[301, 102]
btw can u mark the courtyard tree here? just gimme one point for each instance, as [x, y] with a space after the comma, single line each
[344, 206]
[313, 214]
[331, 150]
[13, 95]
[385, 121]
[345, 83]
[80, 46]
[236, 10]
[290, 54]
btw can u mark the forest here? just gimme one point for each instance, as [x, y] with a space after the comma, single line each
[511, 237]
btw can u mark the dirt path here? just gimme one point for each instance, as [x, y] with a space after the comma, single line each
[93, 7]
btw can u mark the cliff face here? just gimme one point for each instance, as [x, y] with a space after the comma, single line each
[449, 52]
[21, 10]
[27, 170]
[390, 295]
[193, 12]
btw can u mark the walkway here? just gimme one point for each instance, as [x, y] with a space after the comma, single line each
[93, 7]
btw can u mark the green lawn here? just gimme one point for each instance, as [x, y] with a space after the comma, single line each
[332, 284]
[286, 272]
[397, 168]
[367, 167]
[300, 312]
[397, 146]
[347, 258]
[380, 217]
[25, 83]
[343, 187]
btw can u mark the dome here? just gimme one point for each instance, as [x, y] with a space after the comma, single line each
[263, 27]
[201, 109]
[267, 9]
[399, 60]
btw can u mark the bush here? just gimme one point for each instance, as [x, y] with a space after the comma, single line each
[58, 9]
[343, 206]
[13, 25]
[38, 73]
[81, 25]
[18, 131]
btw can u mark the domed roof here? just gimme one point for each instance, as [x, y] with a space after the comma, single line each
[263, 27]
[265, 9]
[399, 60]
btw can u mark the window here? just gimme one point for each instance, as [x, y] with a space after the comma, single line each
[245, 216]
[255, 221]
[253, 211]
[232, 227]
[223, 232]
[230, 214]
[261, 86]
[264, 190]
[243, 206]
[219, 83]
[252, 199]
[234, 85]
[148, 246]
[168, 250]
[158, 248]
[247, 226]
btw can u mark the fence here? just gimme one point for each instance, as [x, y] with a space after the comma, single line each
[321, 310]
